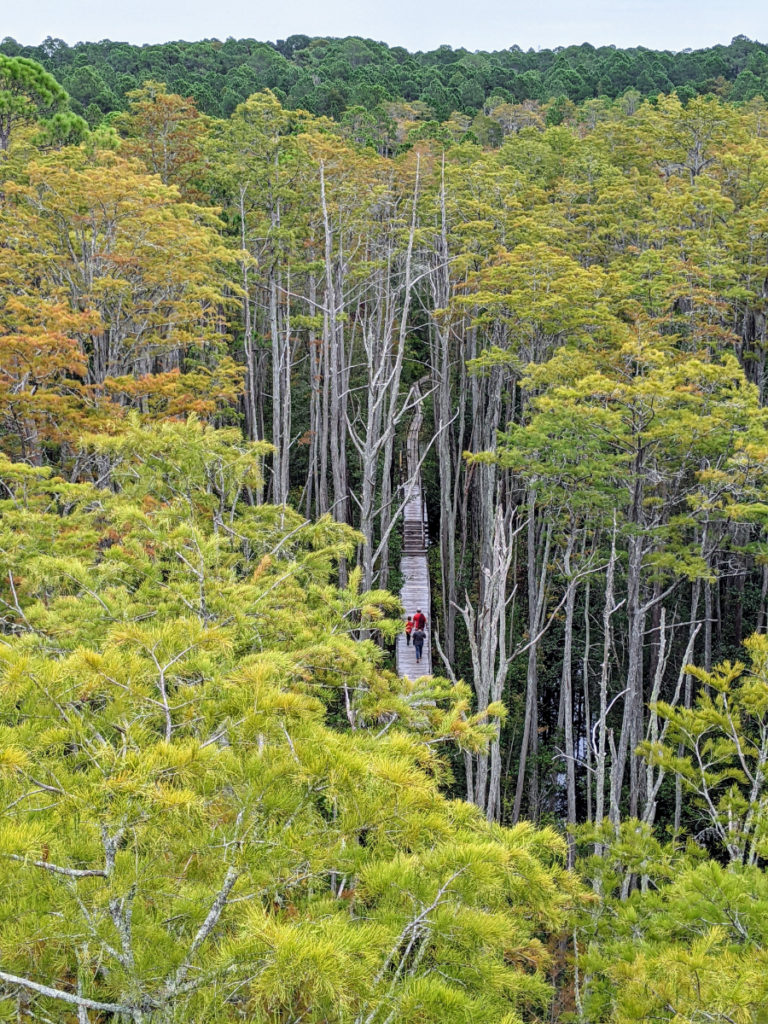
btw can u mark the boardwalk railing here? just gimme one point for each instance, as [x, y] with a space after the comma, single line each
[415, 591]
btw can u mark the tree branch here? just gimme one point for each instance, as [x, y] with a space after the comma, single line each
[67, 997]
[58, 870]
[206, 927]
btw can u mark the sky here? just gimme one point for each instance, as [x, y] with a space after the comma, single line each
[415, 24]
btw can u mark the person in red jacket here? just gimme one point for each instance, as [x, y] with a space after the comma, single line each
[419, 620]
[408, 630]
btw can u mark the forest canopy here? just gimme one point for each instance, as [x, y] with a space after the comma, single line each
[218, 799]
[329, 76]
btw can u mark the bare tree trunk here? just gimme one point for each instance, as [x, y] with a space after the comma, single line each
[333, 339]
[632, 722]
[325, 418]
[566, 682]
[312, 489]
[763, 594]
[688, 698]
[649, 812]
[708, 626]
[608, 610]
[281, 390]
[587, 700]
[251, 377]
[487, 631]
[387, 497]
[529, 747]
[444, 398]
[384, 403]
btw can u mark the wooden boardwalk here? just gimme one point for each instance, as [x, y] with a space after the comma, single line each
[413, 565]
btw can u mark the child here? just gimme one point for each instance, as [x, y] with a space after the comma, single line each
[408, 630]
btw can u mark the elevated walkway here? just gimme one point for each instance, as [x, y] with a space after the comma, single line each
[415, 592]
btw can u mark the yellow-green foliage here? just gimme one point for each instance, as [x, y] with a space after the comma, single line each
[692, 951]
[718, 749]
[216, 804]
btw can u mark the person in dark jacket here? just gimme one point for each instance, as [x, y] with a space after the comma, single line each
[418, 643]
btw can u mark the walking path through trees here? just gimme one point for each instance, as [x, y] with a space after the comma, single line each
[413, 564]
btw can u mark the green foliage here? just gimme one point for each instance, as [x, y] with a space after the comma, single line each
[693, 950]
[215, 801]
[64, 128]
[27, 93]
[332, 77]
[719, 749]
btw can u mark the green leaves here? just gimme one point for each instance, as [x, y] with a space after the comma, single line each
[212, 799]
[719, 748]
[27, 93]
[691, 951]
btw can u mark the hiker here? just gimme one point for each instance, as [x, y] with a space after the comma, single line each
[408, 630]
[418, 642]
[420, 620]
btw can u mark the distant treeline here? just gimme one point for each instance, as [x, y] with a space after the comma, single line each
[331, 76]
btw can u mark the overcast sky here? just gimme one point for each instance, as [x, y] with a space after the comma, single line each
[416, 24]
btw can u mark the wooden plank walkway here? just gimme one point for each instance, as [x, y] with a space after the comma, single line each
[413, 565]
